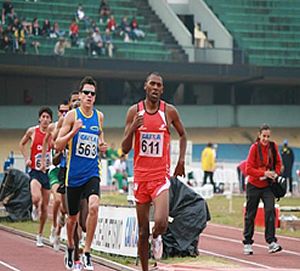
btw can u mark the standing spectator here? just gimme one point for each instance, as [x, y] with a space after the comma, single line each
[241, 171]
[208, 162]
[287, 156]
[8, 12]
[262, 167]
[88, 43]
[74, 32]
[111, 154]
[121, 173]
[200, 37]
[104, 11]
[107, 39]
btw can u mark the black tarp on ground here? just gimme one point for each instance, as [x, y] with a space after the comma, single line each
[15, 195]
[190, 214]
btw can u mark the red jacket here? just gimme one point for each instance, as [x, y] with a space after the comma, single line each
[256, 168]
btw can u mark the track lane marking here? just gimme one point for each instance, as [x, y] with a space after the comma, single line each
[9, 266]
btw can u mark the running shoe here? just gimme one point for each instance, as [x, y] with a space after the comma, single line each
[274, 247]
[157, 247]
[248, 250]
[69, 259]
[87, 261]
[39, 241]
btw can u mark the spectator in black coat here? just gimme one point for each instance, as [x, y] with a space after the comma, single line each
[287, 156]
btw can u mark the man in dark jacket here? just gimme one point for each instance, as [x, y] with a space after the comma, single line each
[287, 156]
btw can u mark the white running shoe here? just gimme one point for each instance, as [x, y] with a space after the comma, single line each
[52, 235]
[157, 247]
[248, 250]
[56, 243]
[34, 213]
[39, 241]
[87, 261]
[274, 247]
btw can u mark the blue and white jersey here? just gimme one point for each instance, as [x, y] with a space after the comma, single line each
[83, 159]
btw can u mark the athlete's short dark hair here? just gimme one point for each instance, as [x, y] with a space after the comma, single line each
[153, 73]
[76, 92]
[46, 109]
[87, 80]
[64, 102]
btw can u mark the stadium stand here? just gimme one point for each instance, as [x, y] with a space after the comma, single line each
[158, 43]
[266, 30]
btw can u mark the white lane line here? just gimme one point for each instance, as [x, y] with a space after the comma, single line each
[235, 259]
[9, 266]
[257, 232]
[240, 242]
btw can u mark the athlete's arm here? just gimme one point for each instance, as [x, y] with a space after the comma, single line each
[102, 143]
[22, 145]
[133, 122]
[174, 119]
[57, 127]
[68, 130]
[46, 139]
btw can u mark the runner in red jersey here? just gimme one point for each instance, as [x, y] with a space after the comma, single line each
[148, 122]
[39, 184]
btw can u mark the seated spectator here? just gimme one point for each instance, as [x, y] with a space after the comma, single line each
[22, 39]
[107, 39]
[104, 11]
[27, 25]
[8, 12]
[74, 32]
[136, 31]
[80, 16]
[46, 29]
[93, 25]
[111, 24]
[36, 30]
[125, 30]
[56, 32]
[36, 45]
[98, 46]
[61, 44]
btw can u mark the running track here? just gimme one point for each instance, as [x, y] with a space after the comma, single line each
[226, 242]
[20, 254]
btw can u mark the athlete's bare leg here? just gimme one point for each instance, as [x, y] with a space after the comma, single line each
[36, 195]
[142, 211]
[91, 221]
[161, 213]
[44, 209]
[56, 203]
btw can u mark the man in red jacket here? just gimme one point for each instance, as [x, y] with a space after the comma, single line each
[261, 168]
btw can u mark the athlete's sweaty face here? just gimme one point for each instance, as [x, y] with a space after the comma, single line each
[154, 87]
[45, 120]
[88, 95]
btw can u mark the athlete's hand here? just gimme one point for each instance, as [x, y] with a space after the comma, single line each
[179, 170]
[77, 125]
[103, 146]
[138, 121]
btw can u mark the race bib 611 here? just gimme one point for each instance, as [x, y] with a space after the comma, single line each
[151, 144]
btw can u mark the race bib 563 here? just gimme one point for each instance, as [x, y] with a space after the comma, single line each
[87, 145]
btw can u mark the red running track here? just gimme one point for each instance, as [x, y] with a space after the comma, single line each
[20, 254]
[226, 241]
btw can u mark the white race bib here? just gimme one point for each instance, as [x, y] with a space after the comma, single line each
[87, 145]
[38, 161]
[151, 144]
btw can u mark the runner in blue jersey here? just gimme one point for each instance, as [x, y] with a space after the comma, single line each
[82, 131]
